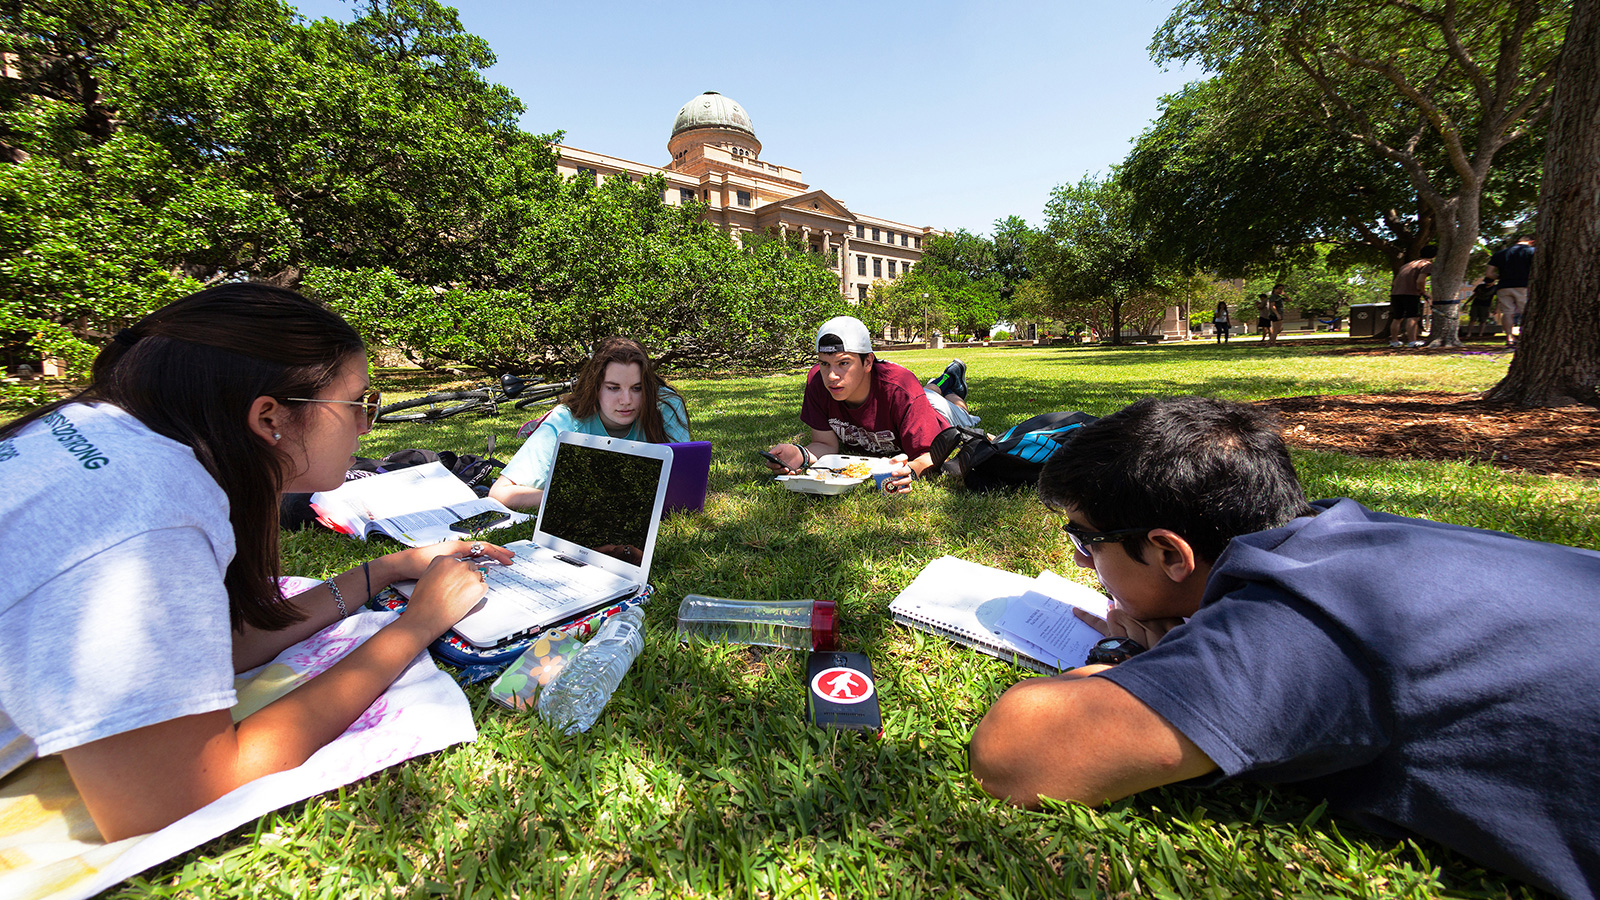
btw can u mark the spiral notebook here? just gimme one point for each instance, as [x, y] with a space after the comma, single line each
[1027, 621]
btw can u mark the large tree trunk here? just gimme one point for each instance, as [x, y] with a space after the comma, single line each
[1558, 354]
[1458, 234]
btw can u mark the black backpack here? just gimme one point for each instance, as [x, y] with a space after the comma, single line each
[1015, 458]
[469, 467]
[295, 512]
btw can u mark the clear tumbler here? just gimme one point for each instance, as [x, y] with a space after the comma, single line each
[796, 624]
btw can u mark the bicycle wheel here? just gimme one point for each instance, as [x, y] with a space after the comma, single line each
[435, 406]
[544, 393]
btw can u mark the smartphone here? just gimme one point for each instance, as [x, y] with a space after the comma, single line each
[841, 694]
[479, 522]
[773, 459]
[518, 686]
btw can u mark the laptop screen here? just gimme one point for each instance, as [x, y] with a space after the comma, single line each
[600, 499]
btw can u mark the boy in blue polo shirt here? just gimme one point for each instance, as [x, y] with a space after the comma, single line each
[1290, 642]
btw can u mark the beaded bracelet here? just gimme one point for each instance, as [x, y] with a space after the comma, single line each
[337, 598]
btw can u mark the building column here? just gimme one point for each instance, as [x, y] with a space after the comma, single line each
[844, 264]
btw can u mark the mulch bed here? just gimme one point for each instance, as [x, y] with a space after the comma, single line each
[1441, 426]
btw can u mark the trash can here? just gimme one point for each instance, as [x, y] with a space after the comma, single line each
[1369, 320]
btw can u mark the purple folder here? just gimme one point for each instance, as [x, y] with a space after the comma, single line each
[686, 486]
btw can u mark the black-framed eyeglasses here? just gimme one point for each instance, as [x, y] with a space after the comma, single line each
[369, 405]
[1083, 540]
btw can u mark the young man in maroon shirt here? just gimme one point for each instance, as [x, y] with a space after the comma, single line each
[856, 403]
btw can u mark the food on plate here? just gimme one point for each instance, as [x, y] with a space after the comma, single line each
[857, 470]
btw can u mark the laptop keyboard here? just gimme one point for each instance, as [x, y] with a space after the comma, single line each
[538, 589]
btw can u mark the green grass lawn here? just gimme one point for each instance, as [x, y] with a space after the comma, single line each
[702, 777]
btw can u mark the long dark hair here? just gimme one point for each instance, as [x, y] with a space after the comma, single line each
[190, 372]
[584, 401]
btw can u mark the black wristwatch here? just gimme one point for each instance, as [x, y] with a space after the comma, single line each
[1113, 650]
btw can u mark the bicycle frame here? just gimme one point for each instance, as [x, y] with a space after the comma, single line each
[444, 404]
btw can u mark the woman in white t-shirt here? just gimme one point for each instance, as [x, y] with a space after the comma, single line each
[139, 536]
[617, 392]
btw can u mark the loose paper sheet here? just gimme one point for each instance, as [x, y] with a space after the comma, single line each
[1072, 592]
[1047, 627]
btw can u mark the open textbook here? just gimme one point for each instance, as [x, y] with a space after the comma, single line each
[415, 506]
[1026, 620]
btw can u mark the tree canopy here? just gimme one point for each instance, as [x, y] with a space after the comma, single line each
[1436, 89]
[964, 282]
[583, 261]
[1095, 264]
[1239, 174]
[148, 148]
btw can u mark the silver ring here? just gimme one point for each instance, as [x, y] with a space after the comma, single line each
[475, 550]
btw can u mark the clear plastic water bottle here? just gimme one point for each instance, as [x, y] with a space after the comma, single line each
[574, 700]
[796, 624]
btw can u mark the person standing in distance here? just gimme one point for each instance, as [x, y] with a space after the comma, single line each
[1276, 301]
[1512, 266]
[1221, 322]
[1406, 293]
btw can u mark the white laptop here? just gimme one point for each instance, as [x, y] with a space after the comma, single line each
[592, 545]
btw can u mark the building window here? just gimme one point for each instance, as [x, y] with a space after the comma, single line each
[875, 234]
[744, 198]
[861, 265]
[588, 173]
[917, 242]
[889, 236]
[891, 268]
[685, 195]
[861, 292]
[861, 231]
[877, 267]
[903, 240]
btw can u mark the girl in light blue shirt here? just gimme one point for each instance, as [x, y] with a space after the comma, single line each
[618, 393]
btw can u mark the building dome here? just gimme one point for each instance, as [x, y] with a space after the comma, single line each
[712, 110]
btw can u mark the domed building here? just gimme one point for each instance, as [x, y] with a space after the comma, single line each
[716, 160]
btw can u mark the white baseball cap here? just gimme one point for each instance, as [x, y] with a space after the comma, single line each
[843, 334]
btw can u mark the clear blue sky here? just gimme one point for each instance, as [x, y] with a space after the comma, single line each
[949, 114]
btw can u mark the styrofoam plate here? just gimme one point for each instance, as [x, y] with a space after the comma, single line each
[808, 483]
